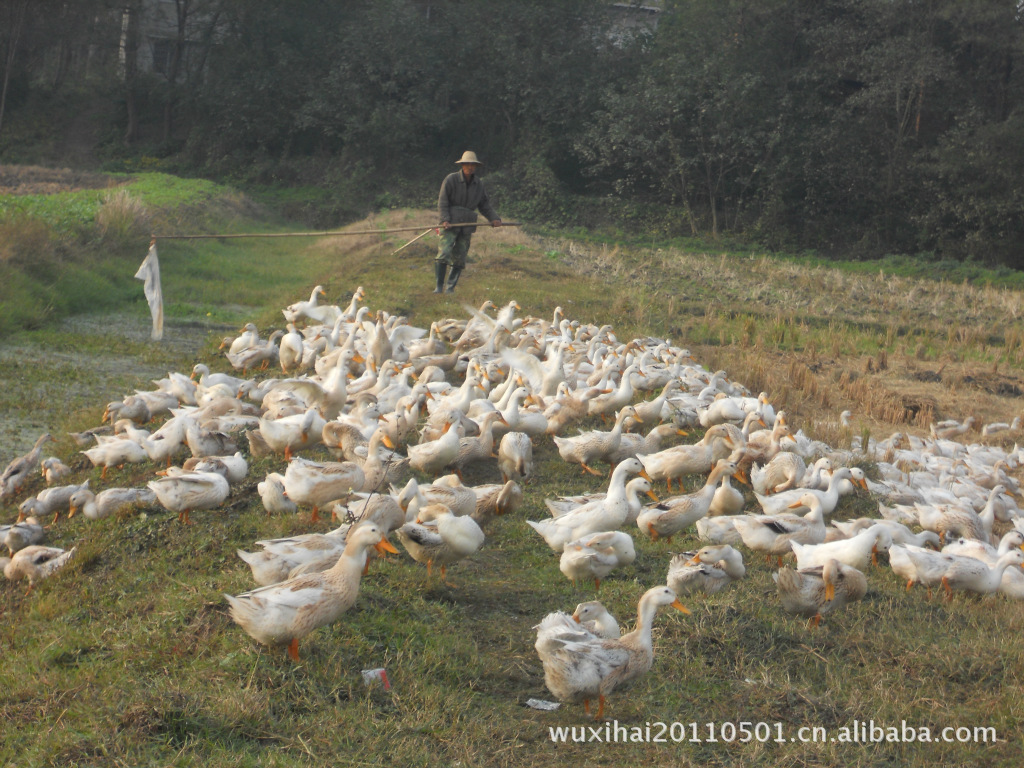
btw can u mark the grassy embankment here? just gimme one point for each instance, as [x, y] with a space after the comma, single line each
[129, 658]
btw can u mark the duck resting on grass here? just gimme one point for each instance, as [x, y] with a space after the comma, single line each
[814, 592]
[580, 666]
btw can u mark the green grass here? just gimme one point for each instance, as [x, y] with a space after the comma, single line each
[129, 657]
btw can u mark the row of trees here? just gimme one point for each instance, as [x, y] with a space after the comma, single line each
[862, 126]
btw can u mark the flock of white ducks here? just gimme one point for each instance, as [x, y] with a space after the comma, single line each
[386, 400]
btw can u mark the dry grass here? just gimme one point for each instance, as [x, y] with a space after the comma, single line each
[122, 219]
[36, 180]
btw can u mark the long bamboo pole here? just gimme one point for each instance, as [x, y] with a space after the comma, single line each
[327, 234]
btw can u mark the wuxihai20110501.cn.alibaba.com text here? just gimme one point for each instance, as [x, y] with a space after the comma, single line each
[744, 732]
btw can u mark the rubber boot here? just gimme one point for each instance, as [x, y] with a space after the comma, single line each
[453, 278]
[439, 269]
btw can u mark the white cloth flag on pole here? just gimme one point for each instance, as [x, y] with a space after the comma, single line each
[150, 272]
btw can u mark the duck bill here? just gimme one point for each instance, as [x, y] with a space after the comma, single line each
[645, 476]
[695, 560]
[679, 606]
[740, 476]
[830, 590]
[388, 442]
[795, 505]
[862, 483]
[384, 545]
[653, 496]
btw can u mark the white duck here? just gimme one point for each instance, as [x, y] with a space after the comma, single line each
[676, 514]
[856, 551]
[773, 535]
[96, 506]
[447, 541]
[596, 555]
[709, 570]
[300, 309]
[829, 498]
[184, 492]
[54, 469]
[784, 471]
[595, 618]
[23, 534]
[606, 514]
[814, 592]
[515, 456]
[899, 533]
[634, 489]
[235, 468]
[697, 459]
[432, 457]
[115, 452]
[983, 550]
[277, 558]
[972, 575]
[37, 562]
[602, 405]
[588, 447]
[918, 565]
[282, 614]
[580, 666]
[290, 434]
[315, 483]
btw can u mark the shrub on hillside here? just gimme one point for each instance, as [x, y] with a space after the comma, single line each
[122, 220]
[25, 241]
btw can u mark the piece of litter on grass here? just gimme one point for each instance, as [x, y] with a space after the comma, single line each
[371, 675]
[547, 706]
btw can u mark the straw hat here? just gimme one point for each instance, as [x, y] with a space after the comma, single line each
[467, 158]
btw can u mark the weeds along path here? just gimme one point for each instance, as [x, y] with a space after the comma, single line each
[65, 375]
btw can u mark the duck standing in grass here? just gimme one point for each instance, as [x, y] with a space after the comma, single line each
[315, 483]
[184, 492]
[96, 506]
[604, 514]
[588, 447]
[446, 541]
[580, 666]
[282, 614]
[671, 516]
[19, 470]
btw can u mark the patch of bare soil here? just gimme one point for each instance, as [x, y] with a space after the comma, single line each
[36, 180]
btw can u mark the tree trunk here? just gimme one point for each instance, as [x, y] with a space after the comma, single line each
[16, 22]
[130, 62]
[182, 8]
